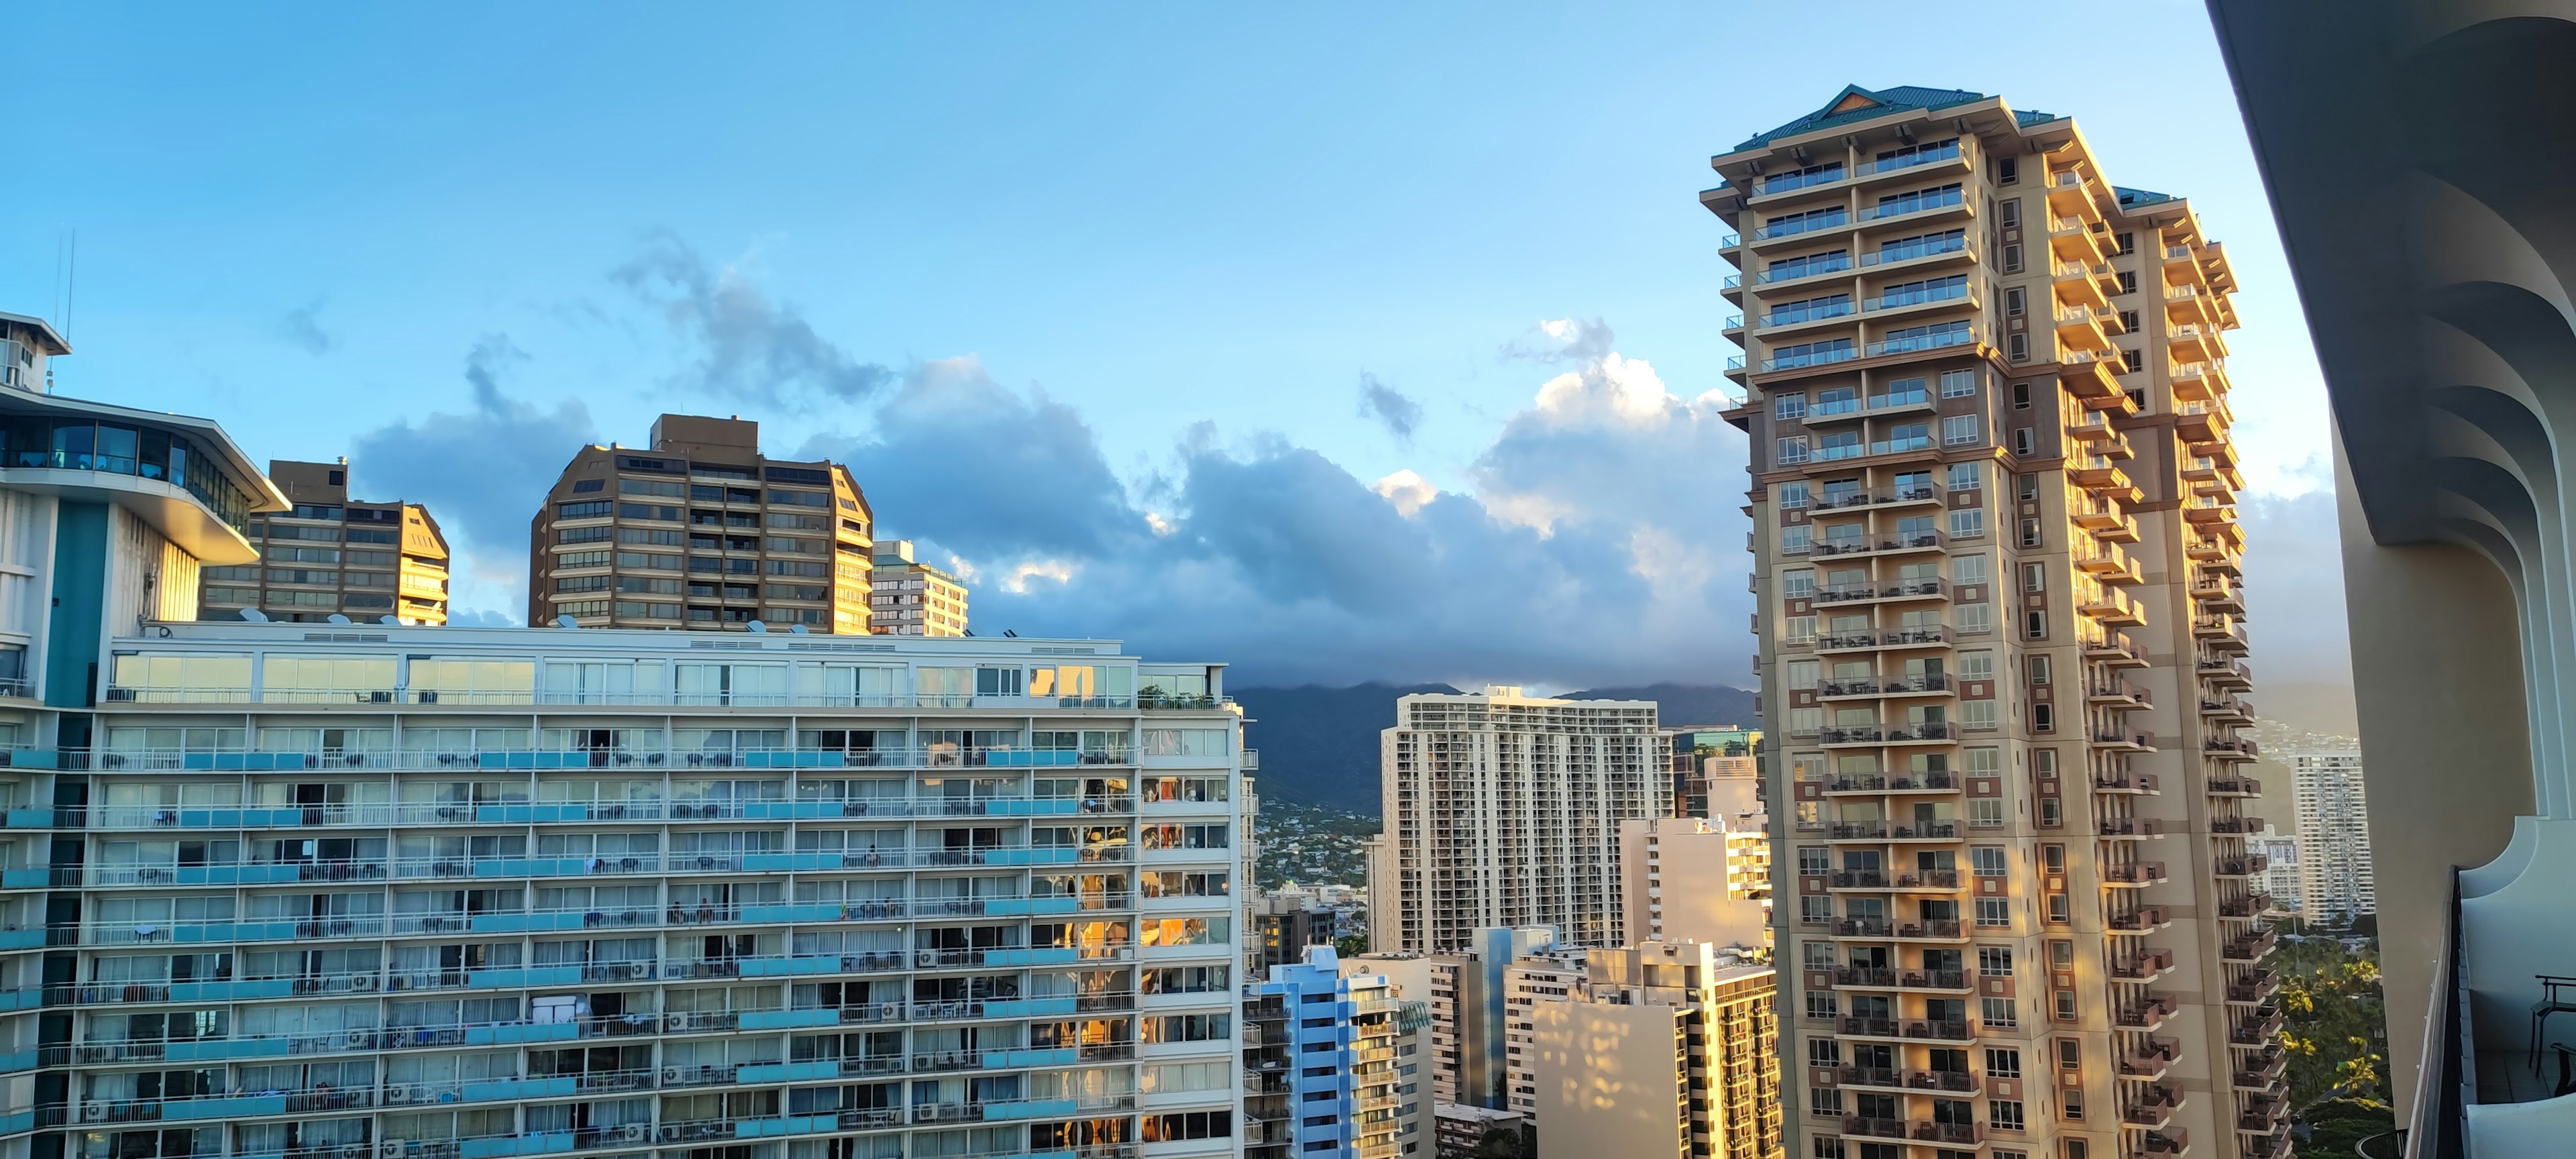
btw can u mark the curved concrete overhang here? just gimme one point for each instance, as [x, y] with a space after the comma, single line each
[2418, 154]
[179, 516]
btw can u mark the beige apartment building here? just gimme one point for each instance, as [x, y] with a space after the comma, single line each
[1663, 1049]
[912, 598]
[2331, 811]
[331, 555]
[1697, 879]
[1503, 810]
[700, 530]
[2001, 642]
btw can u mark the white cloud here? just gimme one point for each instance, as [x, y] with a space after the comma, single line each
[1406, 490]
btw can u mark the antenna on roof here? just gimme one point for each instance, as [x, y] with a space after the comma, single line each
[393, 621]
[798, 629]
[337, 618]
[1012, 633]
[756, 626]
[567, 622]
[254, 615]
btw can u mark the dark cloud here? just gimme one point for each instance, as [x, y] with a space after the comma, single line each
[482, 472]
[1271, 557]
[1389, 408]
[2294, 588]
[987, 471]
[302, 329]
[750, 348]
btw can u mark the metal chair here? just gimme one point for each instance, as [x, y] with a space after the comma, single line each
[2557, 993]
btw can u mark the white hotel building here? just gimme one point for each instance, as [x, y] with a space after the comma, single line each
[451, 893]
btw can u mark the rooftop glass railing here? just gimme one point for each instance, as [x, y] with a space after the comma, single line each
[1919, 295]
[1803, 223]
[1946, 151]
[1902, 251]
[1807, 179]
[1899, 206]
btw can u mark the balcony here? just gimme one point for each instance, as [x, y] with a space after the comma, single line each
[2225, 673]
[2153, 1106]
[2232, 748]
[2115, 691]
[1880, 929]
[2123, 741]
[2227, 709]
[2142, 920]
[2140, 874]
[2143, 966]
[2232, 785]
[2124, 781]
[2251, 948]
[2257, 987]
[2087, 328]
[2246, 865]
[1925, 782]
[2132, 827]
[1866, 978]
[1875, 881]
[1926, 254]
[2251, 907]
[1817, 312]
[2171, 1141]
[2114, 650]
[1945, 1082]
[2236, 825]
[2151, 1062]
[1943, 339]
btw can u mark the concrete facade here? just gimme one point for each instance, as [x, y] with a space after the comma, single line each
[1503, 810]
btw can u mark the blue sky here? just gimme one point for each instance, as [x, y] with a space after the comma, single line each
[1101, 292]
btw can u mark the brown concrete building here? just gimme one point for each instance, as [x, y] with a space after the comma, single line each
[700, 530]
[912, 598]
[331, 555]
[2001, 642]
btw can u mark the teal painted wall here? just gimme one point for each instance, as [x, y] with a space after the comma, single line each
[73, 631]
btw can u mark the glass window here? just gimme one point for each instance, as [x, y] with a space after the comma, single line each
[181, 678]
[1793, 496]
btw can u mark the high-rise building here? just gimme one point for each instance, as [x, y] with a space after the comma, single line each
[410, 891]
[2336, 882]
[2000, 640]
[912, 598]
[1469, 996]
[108, 516]
[2281, 869]
[328, 555]
[1333, 1056]
[1663, 1049]
[701, 530]
[1503, 810]
[1542, 976]
[1697, 880]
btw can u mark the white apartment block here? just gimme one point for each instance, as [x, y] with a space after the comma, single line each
[2333, 832]
[385, 892]
[1503, 810]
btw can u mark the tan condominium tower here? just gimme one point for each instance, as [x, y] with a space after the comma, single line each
[2000, 642]
[1502, 809]
[912, 598]
[701, 530]
[331, 555]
